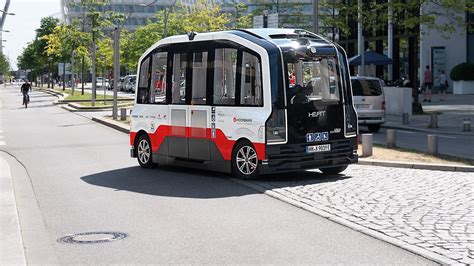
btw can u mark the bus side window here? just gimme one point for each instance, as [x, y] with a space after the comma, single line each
[144, 82]
[158, 71]
[199, 78]
[225, 65]
[251, 84]
[178, 79]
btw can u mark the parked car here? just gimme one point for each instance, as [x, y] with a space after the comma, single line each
[130, 82]
[369, 101]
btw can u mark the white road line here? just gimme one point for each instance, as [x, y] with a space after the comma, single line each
[447, 137]
[414, 132]
[2, 143]
[406, 132]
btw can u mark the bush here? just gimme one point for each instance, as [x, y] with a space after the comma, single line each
[463, 71]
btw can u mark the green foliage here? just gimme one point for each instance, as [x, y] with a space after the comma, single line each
[463, 71]
[4, 65]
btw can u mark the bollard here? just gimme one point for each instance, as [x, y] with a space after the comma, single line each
[367, 143]
[432, 144]
[123, 114]
[391, 138]
[466, 124]
[434, 120]
[405, 119]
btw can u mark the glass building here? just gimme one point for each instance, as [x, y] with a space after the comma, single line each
[138, 11]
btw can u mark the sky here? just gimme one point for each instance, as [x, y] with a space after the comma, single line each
[22, 25]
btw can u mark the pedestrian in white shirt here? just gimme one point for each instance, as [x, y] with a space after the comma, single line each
[442, 85]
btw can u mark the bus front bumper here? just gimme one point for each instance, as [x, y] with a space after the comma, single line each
[291, 158]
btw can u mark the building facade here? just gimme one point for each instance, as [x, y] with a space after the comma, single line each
[139, 12]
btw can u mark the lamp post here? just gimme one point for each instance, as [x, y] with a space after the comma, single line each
[50, 60]
[117, 30]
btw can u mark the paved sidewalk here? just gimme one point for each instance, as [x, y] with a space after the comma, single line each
[11, 245]
[428, 212]
[452, 112]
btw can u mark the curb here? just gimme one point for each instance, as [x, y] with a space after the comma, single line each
[422, 166]
[428, 130]
[11, 247]
[356, 227]
[93, 108]
[111, 123]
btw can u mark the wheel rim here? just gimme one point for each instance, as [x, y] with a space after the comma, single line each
[144, 151]
[246, 160]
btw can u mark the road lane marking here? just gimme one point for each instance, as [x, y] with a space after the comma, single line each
[2, 143]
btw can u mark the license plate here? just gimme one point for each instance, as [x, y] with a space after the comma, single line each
[318, 148]
[362, 106]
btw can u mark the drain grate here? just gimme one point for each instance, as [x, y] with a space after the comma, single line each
[92, 237]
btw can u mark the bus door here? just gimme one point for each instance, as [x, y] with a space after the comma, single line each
[178, 110]
[199, 113]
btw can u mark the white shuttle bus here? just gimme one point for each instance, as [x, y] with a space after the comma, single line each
[247, 102]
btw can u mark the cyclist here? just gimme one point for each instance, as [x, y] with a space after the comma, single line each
[25, 88]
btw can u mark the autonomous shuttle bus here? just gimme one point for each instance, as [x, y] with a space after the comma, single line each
[249, 102]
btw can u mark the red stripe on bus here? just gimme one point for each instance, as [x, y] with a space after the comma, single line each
[223, 144]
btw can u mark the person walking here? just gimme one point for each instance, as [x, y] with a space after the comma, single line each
[427, 83]
[442, 85]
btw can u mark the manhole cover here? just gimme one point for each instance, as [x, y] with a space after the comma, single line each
[92, 237]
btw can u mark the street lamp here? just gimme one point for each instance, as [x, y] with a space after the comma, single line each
[117, 58]
[6, 13]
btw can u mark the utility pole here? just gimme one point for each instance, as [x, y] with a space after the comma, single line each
[116, 70]
[315, 16]
[360, 38]
[390, 39]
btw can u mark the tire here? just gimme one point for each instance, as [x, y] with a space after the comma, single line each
[143, 151]
[374, 128]
[333, 170]
[244, 161]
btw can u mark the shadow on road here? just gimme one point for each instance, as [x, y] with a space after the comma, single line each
[191, 183]
[169, 182]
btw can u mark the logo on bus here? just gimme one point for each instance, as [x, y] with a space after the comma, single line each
[317, 137]
[242, 120]
[316, 114]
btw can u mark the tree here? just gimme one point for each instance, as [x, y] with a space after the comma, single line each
[206, 17]
[4, 65]
[65, 42]
[27, 60]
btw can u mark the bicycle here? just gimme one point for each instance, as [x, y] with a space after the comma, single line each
[26, 99]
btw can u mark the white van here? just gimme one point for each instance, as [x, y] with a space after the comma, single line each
[369, 101]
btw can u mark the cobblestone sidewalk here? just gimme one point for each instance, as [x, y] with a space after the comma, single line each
[433, 210]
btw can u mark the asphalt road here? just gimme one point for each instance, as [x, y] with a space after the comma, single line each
[72, 175]
[455, 145]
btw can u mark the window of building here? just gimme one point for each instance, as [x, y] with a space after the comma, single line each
[199, 78]
[178, 78]
[251, 81]
[158, 71]
[143, 92]
[225, 65]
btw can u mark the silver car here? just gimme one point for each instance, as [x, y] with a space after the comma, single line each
[369, 101]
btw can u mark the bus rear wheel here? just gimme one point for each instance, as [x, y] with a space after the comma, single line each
[333, 170]
[144, 155]
[244, 161]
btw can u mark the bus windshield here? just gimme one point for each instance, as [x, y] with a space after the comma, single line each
[313, 79]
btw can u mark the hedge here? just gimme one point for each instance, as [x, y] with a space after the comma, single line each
[463, 71]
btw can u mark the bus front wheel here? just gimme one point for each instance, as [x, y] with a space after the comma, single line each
[245, 161]
[144, 155]
[333, 170]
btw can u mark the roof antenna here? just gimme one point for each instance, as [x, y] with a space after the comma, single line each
[191, 35]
